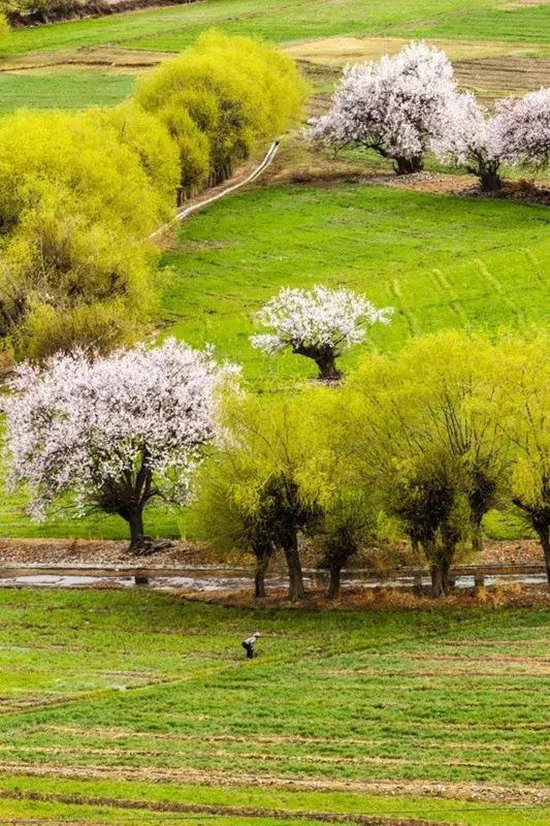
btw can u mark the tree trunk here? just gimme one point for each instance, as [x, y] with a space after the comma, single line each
[134, 518]
[543, 532]
[477, 537]
[324, 358]
[259, 577]
[408, 166]
[334, 582]
[490, 180]
[295, 576]
[326, 362]
[439, 580]
[440, 572]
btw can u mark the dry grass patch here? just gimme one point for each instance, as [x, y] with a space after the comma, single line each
[491, 69]
[486, 792]
[337, 51]
[104, 59]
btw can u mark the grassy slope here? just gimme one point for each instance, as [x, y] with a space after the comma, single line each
[440, 261]
[336, 697]
[173, 28]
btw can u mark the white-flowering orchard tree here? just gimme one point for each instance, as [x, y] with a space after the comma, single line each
[113, 433]
[524, 128]
[468, 136]
[392, 107]
[318, 324]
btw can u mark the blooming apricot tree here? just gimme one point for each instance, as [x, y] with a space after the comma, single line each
[318, 324]
[468, 136]
[392, 106]
[524, 127]
[115, 432]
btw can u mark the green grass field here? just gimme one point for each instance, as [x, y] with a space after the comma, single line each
[143, 697]
[65, 90]
[526, 30]
[440, 261]
[173, 28]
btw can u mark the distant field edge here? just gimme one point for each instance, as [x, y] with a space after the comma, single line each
[63, 12]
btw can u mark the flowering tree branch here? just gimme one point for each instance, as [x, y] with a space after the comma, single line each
[115, 432]
[468, 136]
[318, 324]
[392, 107]
[524, 127]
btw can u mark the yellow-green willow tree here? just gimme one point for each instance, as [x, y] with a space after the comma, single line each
[81, 193]
[235, 90]
[75, 206]
[422, 432]
[522, 407]
[260, 491]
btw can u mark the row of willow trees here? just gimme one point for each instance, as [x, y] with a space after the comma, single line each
[422, 444]
[80, 193]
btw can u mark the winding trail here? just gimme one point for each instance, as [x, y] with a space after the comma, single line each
[199, 204]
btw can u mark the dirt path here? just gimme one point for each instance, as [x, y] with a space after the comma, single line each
[209, 196]
[111, 552]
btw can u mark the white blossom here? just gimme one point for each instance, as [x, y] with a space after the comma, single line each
[392, 106]
[467, 135]
[83, 428]
[524, 128]
[317, 323]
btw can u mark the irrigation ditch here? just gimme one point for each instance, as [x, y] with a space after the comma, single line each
[193, 578]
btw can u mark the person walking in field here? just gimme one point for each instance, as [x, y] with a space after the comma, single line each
[249, 644]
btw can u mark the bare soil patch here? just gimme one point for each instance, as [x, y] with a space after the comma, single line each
[95, 551]
[527, 795]
[503, 76]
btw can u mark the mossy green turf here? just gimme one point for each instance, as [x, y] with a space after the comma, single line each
[147, 687]
[277, 20]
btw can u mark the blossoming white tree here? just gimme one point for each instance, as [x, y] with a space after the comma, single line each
[392, 106]
[467, 135]
[524, 127]
[318, 324]
[113, 433]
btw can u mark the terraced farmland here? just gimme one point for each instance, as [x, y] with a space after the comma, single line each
[114, 698]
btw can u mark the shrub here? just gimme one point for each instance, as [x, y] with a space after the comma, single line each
[75, 205]
[236, 91]
[151, 142]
